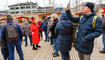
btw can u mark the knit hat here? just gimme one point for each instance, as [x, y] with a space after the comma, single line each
[9, 18]
[90, 6]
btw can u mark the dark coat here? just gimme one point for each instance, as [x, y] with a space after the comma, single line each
[44, 27]
[52, 29]
[103, 24]
[86, 34]
[64, 38]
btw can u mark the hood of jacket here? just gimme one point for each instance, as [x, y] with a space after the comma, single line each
[64, 17]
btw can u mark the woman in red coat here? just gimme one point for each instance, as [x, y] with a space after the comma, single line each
[35, 34]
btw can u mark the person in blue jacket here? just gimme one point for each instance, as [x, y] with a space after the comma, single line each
[44, 27]
[17, 43]
[4, 48]
[86, 33]
[64, 31]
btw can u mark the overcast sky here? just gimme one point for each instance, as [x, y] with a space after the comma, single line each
[63, 3]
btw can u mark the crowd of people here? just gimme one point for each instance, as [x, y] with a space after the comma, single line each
[59, 31]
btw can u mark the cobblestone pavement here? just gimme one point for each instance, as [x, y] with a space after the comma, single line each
[46, 50]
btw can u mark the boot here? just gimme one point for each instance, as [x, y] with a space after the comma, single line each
[103, 52]
[34, 48]
[8, 58]
[51, 41]
[38, 45]
[45, 40]
[68, 58]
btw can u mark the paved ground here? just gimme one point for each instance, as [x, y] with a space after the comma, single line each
[45, 52]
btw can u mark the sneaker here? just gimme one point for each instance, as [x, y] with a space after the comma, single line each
[55, 55]
[103, 52]
[25, 45]
[45, 40]
[51, 44]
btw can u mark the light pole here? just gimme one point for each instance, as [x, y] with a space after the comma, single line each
[7, 7]
[19, 7]
[44, 6]
[31, 6]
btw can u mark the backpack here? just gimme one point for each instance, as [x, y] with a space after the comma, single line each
[2, 42]
[11, 32]
[93, 22]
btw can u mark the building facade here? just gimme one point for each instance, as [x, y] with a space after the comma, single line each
[3, 13]
[28, 8]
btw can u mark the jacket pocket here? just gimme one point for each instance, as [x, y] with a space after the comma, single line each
[87, 44]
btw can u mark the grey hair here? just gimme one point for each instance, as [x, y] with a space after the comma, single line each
[54, 15]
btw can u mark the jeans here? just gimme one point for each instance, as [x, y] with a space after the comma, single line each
[47, 37]
[5, 53]
[83, 56]
[40, 34]
[19, 51]
[51, 40]
[55, 46]
[30, 38]
[103, 39]
[65, 55]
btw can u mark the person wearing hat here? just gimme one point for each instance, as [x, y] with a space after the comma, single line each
[86, 35]
[12, 42]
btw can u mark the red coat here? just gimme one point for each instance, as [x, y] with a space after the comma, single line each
[35, 33]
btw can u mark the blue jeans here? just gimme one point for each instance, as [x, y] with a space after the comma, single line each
[103, 41]
[30, 38]
[65, 55]
[47, 37]
[5, 53]
[19, 50]
[53, 41]
[55, 46]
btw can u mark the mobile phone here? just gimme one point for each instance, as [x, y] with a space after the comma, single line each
[69, 1]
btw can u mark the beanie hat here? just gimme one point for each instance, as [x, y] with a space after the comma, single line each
[90, 6]
[9, 18]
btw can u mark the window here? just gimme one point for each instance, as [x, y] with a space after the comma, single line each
[28, 7]
[34, 11]
[33, 6]
[28, 12]
[12, 12]
[22, 7]
[40, 11]
[17, 8]
[12, 8]
[17, 12]
[23, 12]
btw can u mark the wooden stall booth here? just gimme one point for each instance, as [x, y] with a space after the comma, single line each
[42, 15]
[20, 19]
